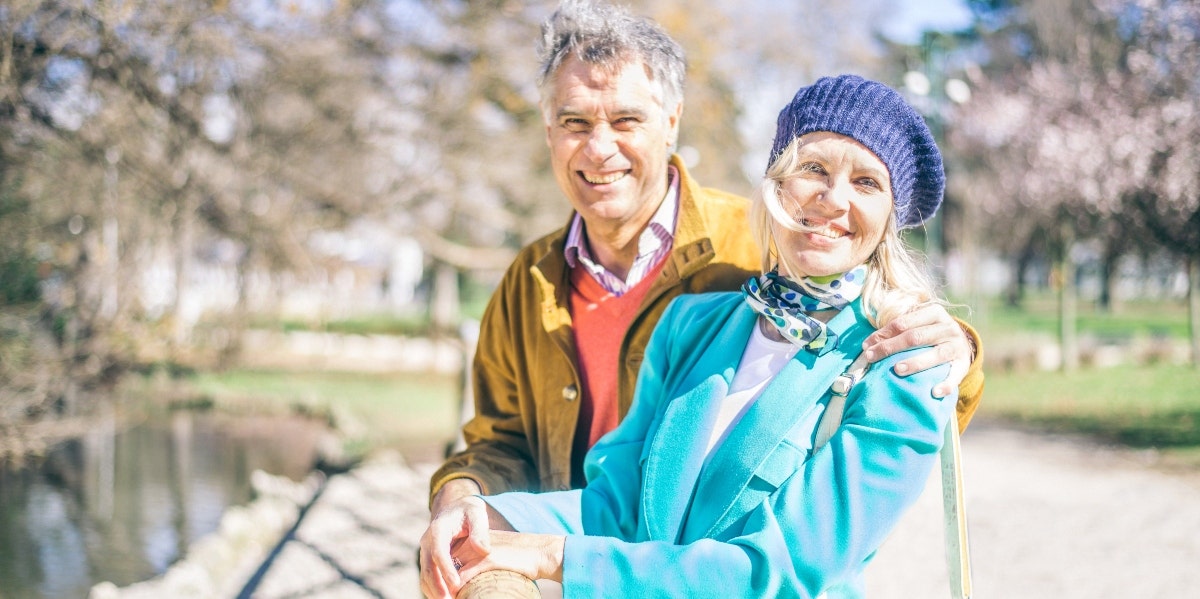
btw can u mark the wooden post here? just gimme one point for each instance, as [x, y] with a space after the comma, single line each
[499, 584]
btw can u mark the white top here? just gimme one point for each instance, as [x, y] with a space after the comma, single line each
[762, 359]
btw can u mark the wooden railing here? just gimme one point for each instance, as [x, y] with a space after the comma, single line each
[499, 584]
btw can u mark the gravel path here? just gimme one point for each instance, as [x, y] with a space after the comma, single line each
[1053, 517]
[358, 539]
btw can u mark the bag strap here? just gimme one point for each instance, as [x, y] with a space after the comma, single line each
[832, 418]
[954, 508]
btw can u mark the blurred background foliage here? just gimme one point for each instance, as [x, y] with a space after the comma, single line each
[176, 178]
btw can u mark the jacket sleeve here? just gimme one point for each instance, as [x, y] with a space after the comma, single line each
[608, 505]
[817, 528]
[970, 390]
[497, 455]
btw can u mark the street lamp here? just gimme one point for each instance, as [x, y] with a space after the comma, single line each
[931, 101]
[958, 91]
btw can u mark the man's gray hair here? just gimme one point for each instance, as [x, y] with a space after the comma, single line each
[608, 36]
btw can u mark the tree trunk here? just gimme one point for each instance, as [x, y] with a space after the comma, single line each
[1194, 308]
[1012, 297]
[185, 219]
[110, 236]
[444, 307]
[969, 243]
[231, 351]
[1067, 310]
[1108, 271]
[1016, 292]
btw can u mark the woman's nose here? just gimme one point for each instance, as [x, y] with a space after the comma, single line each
[836, 196]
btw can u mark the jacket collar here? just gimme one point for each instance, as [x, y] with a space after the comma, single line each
[693, 238]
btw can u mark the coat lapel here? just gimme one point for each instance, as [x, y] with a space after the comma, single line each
[676, 451]
[721, 491]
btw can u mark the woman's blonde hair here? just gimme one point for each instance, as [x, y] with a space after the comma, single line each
[896, 282]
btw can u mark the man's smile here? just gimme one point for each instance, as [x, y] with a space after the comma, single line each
[603, 178]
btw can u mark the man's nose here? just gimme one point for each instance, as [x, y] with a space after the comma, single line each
[602, 143]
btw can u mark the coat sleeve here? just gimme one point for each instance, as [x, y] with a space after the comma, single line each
[498, 454]
[815, 531]
[609, 505]
[970, 390]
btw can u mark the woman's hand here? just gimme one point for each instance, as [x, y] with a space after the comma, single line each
[461, 526]
[533, 555]
[467, 538]
[929, 325]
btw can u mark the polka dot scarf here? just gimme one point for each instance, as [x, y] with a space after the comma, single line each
[786, 303]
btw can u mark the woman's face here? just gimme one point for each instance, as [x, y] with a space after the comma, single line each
[841, 194]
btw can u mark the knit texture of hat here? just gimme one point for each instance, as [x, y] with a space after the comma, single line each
[879, 118]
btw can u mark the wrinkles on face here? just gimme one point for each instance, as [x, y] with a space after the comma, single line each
[839, 197]
[610, 140]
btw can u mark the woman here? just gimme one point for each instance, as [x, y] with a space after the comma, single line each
[711, 485]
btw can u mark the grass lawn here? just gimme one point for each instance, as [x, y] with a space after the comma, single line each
[1145, 406]
[1155, 405]
[415, 413]
[1038, 314]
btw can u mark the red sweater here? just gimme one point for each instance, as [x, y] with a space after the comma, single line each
[600, 320]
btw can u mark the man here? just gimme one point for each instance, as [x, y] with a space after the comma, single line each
[562, 337]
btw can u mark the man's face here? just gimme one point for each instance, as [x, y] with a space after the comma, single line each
[610, 139]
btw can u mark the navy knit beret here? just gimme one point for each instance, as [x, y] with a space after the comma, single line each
[879, 118]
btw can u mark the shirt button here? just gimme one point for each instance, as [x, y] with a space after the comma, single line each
[570, 393]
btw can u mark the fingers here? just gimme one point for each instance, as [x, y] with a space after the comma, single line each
[433, 585]
[442, 533]
[949, 385]
[469, 561]
[928, 326]
[475, 568]
[935, 356]
[531, 555]
[894, 338]
[478, 533]
[461, 527]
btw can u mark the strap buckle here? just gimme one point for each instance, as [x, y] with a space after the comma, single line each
[843, 383]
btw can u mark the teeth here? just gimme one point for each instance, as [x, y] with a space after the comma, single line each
[826, 231]
[603, 179]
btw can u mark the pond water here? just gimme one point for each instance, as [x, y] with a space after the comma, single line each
[122, 504]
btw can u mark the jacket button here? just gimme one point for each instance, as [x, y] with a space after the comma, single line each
[570, 393]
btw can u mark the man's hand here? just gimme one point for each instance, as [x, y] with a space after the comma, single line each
[452, 491]
[460, 526]
[932, 326]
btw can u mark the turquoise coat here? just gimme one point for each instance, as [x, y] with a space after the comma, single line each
[766, 517]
